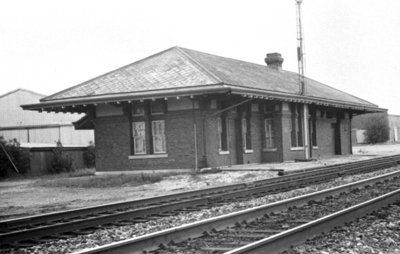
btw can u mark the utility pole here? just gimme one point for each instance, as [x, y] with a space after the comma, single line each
[302, 85]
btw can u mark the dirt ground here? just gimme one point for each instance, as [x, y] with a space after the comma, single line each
[21, 198]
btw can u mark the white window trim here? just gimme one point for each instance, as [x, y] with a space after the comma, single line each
[270, 149]
[300, 148]
[148, 156]
[315, 147]
[220, 152]
[248, 151]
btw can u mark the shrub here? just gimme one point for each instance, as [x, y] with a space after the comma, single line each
[89, 156]
[60, 163]
[377, 129]
[19, 157]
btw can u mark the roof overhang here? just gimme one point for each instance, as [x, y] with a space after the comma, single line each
[262, 94]
[80, 104]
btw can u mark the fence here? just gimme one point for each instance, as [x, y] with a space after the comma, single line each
[41, 157]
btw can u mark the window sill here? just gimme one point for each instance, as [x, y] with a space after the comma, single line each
[315, 147]
[270, 149]
[148, 156]
[296, 148]
[223, 152]
[248, 151]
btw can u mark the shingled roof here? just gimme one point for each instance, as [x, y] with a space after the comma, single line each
[180, 71]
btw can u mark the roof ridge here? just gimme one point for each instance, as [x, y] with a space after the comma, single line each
[207, 71]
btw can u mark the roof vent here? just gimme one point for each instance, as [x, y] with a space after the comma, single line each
[274, 61]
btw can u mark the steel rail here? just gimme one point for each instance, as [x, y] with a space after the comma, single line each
[282, 241]
[193, 230]
[103, 215]
[87, 221]
[107, 208]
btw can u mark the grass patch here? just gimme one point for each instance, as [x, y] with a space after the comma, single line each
[75, 173]
[104, 181]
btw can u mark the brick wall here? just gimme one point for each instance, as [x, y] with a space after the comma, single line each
[112, 136]
[256, 140]
[113, 144]
[272, 155]
[214, 156]
[325, 137]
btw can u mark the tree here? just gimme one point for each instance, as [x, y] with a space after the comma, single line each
[377, 129]
[11, 153]
[60, 163]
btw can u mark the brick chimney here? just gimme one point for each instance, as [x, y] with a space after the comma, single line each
[274, 61]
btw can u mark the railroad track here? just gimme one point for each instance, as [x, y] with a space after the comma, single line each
[28, 231]
[270, 228]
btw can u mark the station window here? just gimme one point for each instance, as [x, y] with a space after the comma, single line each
[269, 133]
[246, 134]
[148, 132]
[223, 133]
[139, 137]
[158, 133]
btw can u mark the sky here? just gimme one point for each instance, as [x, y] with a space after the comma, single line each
[352, 45]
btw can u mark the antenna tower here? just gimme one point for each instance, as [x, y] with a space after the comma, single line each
[300, 52]
[300, 58]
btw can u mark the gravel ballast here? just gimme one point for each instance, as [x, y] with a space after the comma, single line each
[117, 233]
[377, 233]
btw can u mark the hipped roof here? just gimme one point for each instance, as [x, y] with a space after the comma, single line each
[179, 72]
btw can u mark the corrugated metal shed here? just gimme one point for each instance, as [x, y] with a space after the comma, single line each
[35, 127]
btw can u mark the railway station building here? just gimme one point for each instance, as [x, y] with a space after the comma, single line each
[185, 109]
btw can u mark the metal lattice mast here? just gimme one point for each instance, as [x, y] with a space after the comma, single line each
[302, 87]
[300, 50]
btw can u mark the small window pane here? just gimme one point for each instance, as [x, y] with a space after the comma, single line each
[269, 134]
[140, 145]
[139, 137]
[223, 133]
[158, 107]
[159, 144]
[158, 132]
[138, 108]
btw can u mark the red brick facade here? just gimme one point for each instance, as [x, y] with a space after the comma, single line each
[185, 117]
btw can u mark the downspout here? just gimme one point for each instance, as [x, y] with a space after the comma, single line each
[204, 142]
[351, 142]
[59, 133]
[306, 132]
